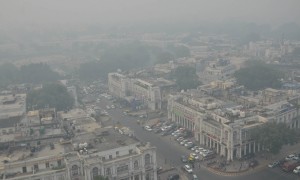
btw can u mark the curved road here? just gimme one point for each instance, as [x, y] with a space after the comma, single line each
[171, 151]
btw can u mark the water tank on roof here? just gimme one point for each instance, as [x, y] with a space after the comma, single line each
[242, 114]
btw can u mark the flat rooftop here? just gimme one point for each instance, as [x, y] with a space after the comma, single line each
[23, 154]
[104, 139]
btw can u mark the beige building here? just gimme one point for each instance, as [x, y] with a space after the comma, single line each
[218, 125]
[142, 91]
[104, 152]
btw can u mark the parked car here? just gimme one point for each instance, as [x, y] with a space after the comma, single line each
[183, 142]
[187, 168]
[180, 139]
[187, 143]
[297, 170]
[194, 148]
[291, 157]
[184, 159]
[147, 128]
[273, 164]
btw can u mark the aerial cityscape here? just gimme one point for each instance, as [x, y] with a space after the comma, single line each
[150, 90]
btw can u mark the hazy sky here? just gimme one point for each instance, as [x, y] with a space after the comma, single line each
[27, 12]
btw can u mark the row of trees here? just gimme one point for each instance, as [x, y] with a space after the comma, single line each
[32, 73]
[273, 136]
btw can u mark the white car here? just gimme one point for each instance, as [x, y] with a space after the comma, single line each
[291, 157]
[148, 128]
[203, 151]
[194, 148]
[183, 142]
[107, 107]
[113, 107]
[188, 143]
[188, 168]
[297, 170]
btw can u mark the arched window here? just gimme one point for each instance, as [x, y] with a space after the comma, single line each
[135, 164]
[95, 172]
[74, 170]
[147, 159]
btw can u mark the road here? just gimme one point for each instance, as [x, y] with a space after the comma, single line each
[171, 151]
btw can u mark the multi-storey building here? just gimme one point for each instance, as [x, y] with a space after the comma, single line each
[286, 111]
[217, 70]
[12, 111]
[118, 85]
[147, 93]
[103, 153]
[219, 125]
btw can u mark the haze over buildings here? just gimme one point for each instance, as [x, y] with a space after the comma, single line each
[34, 13]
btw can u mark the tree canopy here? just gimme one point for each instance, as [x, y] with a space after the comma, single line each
[256, 76]
[186, 77]
[273, 136]
[53, 95]
[124, 57]
[32, 73]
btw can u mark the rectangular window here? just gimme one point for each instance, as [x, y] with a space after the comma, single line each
[103, 158]
[59, 163]
[24, 169]
[117, 153]
[47, 165]
[36, 167]
[110, 156]
[130, 151]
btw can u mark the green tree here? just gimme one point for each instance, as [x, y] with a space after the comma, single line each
[9, 74]
[186, 77]
[256, 76]
[38, 73]
[52, 95]
[273, 136]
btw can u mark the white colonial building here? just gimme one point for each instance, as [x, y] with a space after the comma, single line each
[218, 125]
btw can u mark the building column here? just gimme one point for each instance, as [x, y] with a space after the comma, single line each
[245, 149]
[254, 147]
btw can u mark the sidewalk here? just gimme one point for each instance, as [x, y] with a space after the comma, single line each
[239, 168]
